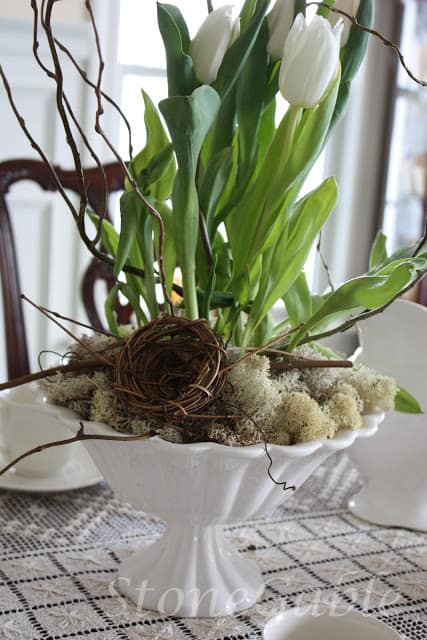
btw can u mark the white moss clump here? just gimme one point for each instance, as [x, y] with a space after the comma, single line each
[104, 408]
[301, 418]
[376, 391]
[343, 411]
[317, 382]
[252, 388]
[63, 388]
[298, 405]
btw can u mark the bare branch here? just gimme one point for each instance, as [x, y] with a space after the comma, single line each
[98, 128]
[76, 322]
[81, 436]
[54, 76]
[262, 349]
[76, 365]
[85, 346]
[307, 363]
[106, 97]
[59, 81]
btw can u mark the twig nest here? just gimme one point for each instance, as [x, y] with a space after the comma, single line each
[170, 369]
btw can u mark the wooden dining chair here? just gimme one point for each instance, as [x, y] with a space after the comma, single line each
[11, 172]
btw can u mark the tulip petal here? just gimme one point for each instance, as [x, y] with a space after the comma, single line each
[280, 21]
[349, 6]
[211, 42]
[310, 61]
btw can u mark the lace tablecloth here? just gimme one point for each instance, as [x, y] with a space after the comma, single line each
[59, 554]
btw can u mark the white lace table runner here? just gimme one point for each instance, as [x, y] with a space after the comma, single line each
[59, 554]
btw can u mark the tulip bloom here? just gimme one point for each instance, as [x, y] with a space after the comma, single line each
[349, 6]
[279, 21]
[310, 61]
[209, 46]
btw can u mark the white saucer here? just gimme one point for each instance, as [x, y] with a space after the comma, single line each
[80, 472]
[300, 624]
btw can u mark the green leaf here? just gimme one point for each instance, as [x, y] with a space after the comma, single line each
[267, 129]
[133, 298]
[291, 250]
[406, 403]
[213, 185]
[298, 301]
[158, 177]
[355, 49]
[169, 250]
[237, 55]
[299, 7]
[129, 216]
[221, 250]
[378, 255]
[250, 223]
[146, 246]
[109, 236]
[419, 263]
[352, 56]
[109, 310]
[248, 10]
[180, 70]
[367, 292]
[154, 163]
[251, 89]
[341, 104]
[189, 119]
[222, 134]
[323, 11]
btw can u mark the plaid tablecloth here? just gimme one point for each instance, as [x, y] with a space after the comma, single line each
[59, 554]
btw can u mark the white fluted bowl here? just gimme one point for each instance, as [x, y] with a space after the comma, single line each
[192, 571]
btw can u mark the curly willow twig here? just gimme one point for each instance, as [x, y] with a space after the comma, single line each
[98, 128]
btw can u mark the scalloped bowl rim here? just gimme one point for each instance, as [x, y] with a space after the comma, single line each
[342, 440]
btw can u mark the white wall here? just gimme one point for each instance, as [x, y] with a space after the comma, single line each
[72, 12]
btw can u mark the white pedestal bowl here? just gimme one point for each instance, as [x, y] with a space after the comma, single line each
[393, 467]
[192, 571]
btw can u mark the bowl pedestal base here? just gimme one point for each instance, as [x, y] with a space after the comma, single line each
[192, 571]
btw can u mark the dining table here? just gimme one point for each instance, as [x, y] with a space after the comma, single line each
[60, 552]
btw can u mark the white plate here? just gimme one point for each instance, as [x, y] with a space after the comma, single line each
[300, 624]
[80, 472]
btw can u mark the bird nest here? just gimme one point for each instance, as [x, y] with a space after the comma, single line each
[171, 368]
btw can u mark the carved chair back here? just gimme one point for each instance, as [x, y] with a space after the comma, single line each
[11, 172]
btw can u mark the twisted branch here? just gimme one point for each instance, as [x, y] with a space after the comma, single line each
[98, 128]
[81, 436]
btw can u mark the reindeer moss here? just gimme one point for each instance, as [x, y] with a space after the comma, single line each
[295, 406]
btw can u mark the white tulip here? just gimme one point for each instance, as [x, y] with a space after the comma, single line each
[208, 48]
[349, 6]
[279, 21]
[310, 61]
